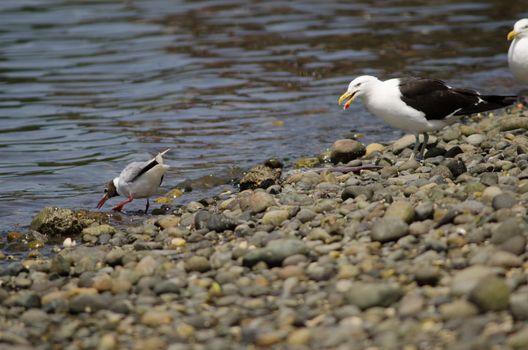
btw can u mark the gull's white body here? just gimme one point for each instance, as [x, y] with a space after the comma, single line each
[383, 99]
[146, 184]
[518, 52]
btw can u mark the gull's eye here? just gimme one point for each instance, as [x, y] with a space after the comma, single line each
[357, 85]
[106, 190]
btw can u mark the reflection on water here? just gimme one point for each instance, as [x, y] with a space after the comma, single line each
[88, 86]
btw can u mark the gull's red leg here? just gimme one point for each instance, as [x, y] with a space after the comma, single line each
[120, 206]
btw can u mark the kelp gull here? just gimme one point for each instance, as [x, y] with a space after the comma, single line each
[419, 105]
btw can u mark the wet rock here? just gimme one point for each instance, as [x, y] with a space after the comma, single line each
[197, 263]
[58, 222]
[260, 176]
[89, 303]
[388, 229]
[346, 150]
[367, 295]
[503, 200]
[354, 191]
[275, 217]
[402, 210]
[490, 294]
[220, 223]
[275, 252]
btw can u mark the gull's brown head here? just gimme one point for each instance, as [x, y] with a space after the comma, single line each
[109, 192]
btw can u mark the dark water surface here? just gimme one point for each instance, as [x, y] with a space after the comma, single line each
[88, 86]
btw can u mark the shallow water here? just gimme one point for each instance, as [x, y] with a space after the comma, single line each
[88, 86]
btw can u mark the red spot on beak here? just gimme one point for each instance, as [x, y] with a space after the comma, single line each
[347, 104]
[102, 201]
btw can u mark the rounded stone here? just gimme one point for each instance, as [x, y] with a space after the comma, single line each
[475, 139]
[401, 210]
[503, 201]
[275, 217]
[197, 263]
[490, 294]
[373, 147]
[388, 229]
[346, 150]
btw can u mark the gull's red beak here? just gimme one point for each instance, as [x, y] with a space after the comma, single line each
[102, 201]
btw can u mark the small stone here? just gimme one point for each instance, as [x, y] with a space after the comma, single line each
[168, 221]
[146, 266]
[300, 336]
[442, 171]
[88, 303]
[450, 134]
[490, 294]
[489, 179]
[275, 252]
[388, 229]
[503, 200]
[475, 139]
[427, 275]
[401, 210]
[458, 309]
[305, 215]
[275, 217]
[465, 280]
[457, 167]
[115, 256]
[346, 150]
[366, 295]
[373, 147]
[354, 191]
[518, 340]
[434, 152]
[515, 245]
[197, 263]
[506, 230]
[453, 152]
[411, 304]
[258, 202]
[424, 211]
[519, 306]
[505, 259]
[220, 223]
[156, 318]
[489, 193]
[408, 141]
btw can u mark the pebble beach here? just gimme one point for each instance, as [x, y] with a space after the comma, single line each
[375, 251]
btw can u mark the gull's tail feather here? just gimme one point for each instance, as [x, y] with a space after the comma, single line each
[159, 157]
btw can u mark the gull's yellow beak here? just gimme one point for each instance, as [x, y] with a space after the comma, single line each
[350, 95]
[512, 35]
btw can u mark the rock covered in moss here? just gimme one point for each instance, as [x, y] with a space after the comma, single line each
[55, 221]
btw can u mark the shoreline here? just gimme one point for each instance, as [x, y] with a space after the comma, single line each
[416, 255]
